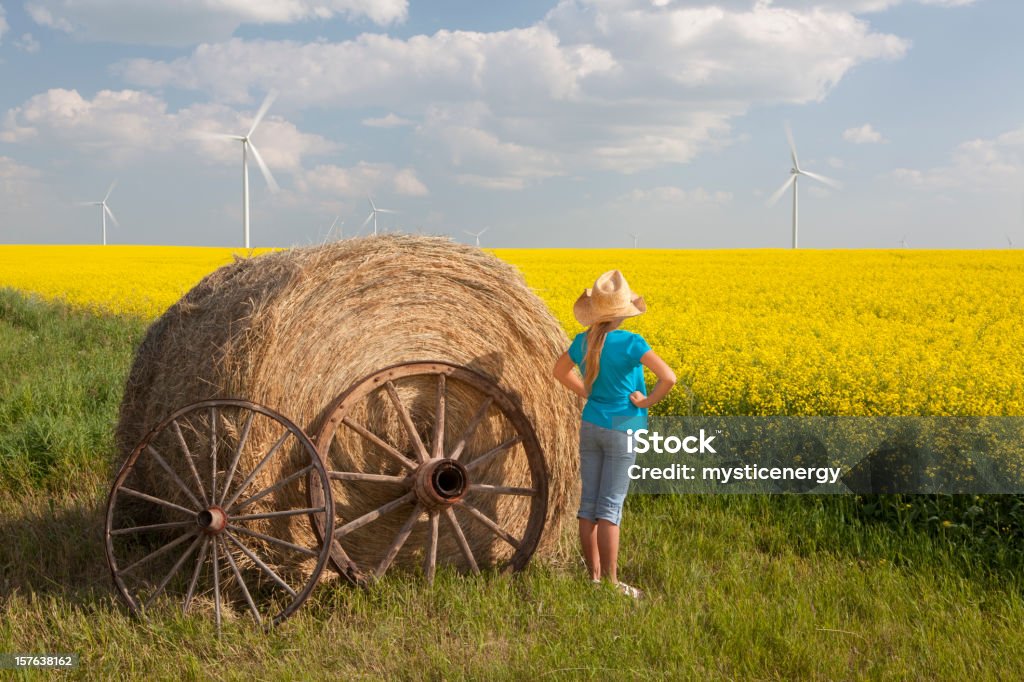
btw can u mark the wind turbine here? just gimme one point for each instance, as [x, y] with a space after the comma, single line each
[636, 239]
[340, 225]
[104, 210]
[903, 242]
[248, 146]
[477, 235]
[1009, 241]
[795, 172]
[374, 210]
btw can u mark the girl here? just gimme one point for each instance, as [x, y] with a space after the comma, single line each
[611, 361]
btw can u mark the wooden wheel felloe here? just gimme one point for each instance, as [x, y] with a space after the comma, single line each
[193, 519]
[419, 442]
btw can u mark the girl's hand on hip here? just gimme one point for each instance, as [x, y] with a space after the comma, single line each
[639, 399]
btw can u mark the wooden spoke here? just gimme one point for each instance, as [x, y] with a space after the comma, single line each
[188, 460]
[155, 500]
[259, 467]
[266, 569]
[174, 569]
[241, 583]
[421, 451]
[495, 528]
[195, 574]
[275, 514]
[460, 537]
[372, 478]
[152, 526]
[174, 477]
[438, 447]
[164, 549]
[379, 442]
[216, 586]
[372, 516]
[501, 490]
[478, 417]
[396, 545]
[277, 486]
[271, 539]
[213, 452]
[493, 452]
[238, 455]
[430, 561]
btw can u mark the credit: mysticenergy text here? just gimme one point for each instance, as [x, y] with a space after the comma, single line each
[642, 441]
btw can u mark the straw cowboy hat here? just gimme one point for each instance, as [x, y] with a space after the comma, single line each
[609, 299]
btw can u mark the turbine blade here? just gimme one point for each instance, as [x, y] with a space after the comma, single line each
[779, 192]
[335, 222]
[111, 215]
[368, 219]
[267, 101]
[263, 168]
[792, 146]
[210, 135]
[110, 189]
[485, 229]
[821, 178]
[372, 205]
[386, 210]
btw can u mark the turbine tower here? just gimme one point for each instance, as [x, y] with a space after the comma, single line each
[104, 211]
[636, 239]
[795, 172]
[903, 242]
[477, 235]
[247, 147]
[374, 210]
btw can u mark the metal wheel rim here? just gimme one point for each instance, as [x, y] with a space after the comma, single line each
[494, 395]
[210, 547]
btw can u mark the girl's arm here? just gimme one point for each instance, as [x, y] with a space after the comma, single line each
[564, 367]
[666, 380]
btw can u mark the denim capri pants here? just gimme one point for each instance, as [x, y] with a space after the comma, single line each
[604, 467]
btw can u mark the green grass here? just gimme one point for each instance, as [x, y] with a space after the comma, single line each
[737, 587]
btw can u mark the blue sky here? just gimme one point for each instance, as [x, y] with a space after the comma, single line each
[559, 123]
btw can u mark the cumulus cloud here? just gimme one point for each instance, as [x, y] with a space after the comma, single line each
[865, 134]
[128, 125]
[623, 85]
[676, 195]
[361, 180]
[187, 22]
[993, 164]
[27, 43]
[390, 121]
[3, 23]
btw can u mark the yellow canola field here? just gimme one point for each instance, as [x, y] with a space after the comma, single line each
[747, 331]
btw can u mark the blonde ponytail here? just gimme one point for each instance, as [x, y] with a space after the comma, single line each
[592, 359]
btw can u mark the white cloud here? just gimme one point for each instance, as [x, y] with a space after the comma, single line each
[676, 195]
[3, 23]
[187, 22]
[27, 43]
[390, 121]
[126, 125]
[19, 184]
[864, 134]
[994, 164]
[622, 85]
[361, 180]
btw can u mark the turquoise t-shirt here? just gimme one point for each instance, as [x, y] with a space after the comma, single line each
[619, 375]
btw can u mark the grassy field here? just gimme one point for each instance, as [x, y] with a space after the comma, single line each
[738, 587]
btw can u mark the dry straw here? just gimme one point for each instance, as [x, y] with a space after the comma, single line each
[294, 329]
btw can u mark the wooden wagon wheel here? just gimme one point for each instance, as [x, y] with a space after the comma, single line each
[432, 478]
[186, 496]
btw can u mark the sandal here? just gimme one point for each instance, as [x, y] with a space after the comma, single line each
[629, 590]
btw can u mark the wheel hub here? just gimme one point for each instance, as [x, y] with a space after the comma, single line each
[212, 520]
[440, 482]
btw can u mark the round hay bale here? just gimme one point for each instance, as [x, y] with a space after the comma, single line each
[294, 329]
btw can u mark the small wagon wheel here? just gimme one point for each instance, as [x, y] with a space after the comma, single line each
[421, 473]
[197, 518]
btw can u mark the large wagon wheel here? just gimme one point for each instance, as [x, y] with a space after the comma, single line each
[189, 496]
[431, 475]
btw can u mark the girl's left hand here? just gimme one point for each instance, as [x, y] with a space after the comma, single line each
[638, 399]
